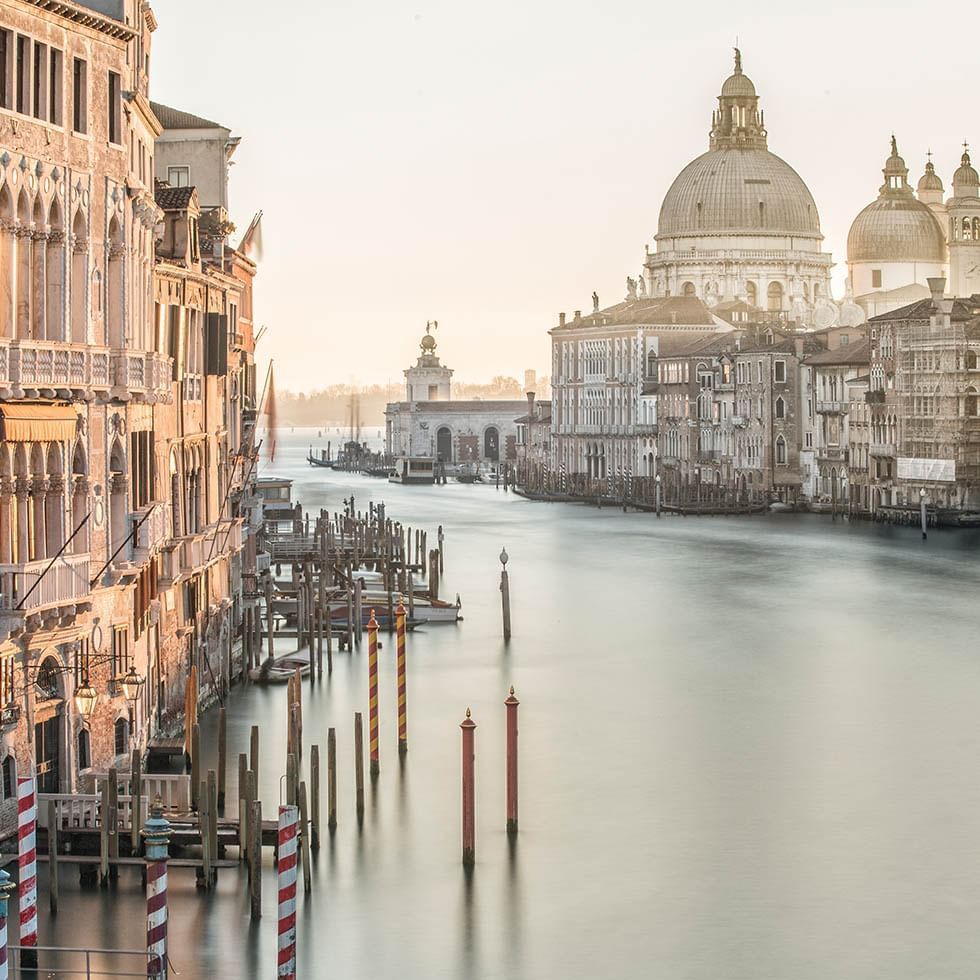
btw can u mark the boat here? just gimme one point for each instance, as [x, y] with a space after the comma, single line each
[321, 461]
[468, 473]
[381, 471]
[280, 669]
[414, 470]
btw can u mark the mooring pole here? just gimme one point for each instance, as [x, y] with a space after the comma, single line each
[469, 810]
[156, 837]
[505, 593]
[7, 885]
[402, 709]
[373, 693]
[511, 704]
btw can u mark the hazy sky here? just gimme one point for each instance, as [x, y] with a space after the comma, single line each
[488, 165]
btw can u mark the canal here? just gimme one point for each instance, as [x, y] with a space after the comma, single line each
[749, 750]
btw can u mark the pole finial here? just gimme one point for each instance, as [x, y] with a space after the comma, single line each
[512, 690]
[467, 712]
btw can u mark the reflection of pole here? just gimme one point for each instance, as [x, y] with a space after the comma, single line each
[469, 830]
[6, 887]
[658, 494]
[922, 512]
[505, 593]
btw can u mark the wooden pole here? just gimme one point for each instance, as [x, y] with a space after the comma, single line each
[304, 839]
[315, 797]
[331, 779]
[242, 806]
[329, 613]
[136, 794]
[359, 764]
[204, 828]
[268, 613]
[505, 593]
[195, 765]
[469, 829]
[255, 889]
[291, 780]
[53, 855]
[511, 704]
[222, 751]
[113, 823]
[248, 830]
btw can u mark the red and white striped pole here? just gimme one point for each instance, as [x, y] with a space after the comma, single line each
[6, 887]
[469, 809]
[402, 708]
[288, 823]
[372, 628]
[156, 834]
[512, 704]
[27, 864]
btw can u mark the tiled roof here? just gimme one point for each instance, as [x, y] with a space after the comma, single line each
[848, 354]
[174, 198]
[178, 119]
[685, 310]
[963, 309]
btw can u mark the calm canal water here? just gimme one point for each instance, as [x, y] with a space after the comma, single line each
[749, 749]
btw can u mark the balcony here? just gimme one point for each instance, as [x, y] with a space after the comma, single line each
[153, 533]
[650, 387]
[831, 408]
[832, 453]
[49, 369]
[669, 461]
[882, 449]
[143, 376]
[709, 455]
[875, 397]
[42, 368]
[65, 583]
[740, 421]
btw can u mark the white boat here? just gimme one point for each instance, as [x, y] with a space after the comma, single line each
[280, 669]
[414, 470]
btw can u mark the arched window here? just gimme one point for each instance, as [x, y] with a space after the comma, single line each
[10, 778]
[121, 732]
[750, 293]
[775, 295]
[780, 409]
[970, 362]
[780, 451]
[84, 752]
[689, 289]
[491, 444]
[967, 230]
[970, 403]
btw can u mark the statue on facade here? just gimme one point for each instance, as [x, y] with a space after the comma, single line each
[642, 286]
[630, 287]
[595, 301]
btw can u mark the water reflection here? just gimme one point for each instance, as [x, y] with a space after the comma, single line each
[748, 750]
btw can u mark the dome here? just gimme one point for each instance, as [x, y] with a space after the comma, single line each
[738, 86]
[965, 178]
[930, 180]
[738, 190]
[896, 229]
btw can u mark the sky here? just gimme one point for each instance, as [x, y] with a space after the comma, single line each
[489, 165]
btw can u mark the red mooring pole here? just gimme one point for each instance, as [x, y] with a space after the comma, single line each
[512, 704]
[402, 718]
[372, 628]
[469, 829]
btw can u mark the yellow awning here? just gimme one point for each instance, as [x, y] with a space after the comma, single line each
[38, 423]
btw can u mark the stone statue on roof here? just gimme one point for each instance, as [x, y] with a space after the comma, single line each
[595, 301]
[642, 286]
[630, 287]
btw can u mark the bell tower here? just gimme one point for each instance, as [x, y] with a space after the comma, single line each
[963, 209]
[428, 380]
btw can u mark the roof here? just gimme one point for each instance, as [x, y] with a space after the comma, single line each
[174, 198]
[545, 416]
[896, 229]
[923, 309]
[847, 355]
[474, 405]
[651, 311]
[171, 118]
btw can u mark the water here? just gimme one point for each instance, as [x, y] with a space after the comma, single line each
[748, 750]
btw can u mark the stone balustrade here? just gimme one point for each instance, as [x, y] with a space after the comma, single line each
[152, 533]
[66, 582]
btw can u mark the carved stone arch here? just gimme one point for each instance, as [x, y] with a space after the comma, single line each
[20, 461]
[117, 457]
[56, 215]
[55, 460]
[79, 226]
[6, 203]
[24, 208]
[114, 234]
[6, 464]
[37, 459]
[79, 460]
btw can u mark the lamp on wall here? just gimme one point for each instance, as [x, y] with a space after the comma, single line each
[86, 698]
[132, 685]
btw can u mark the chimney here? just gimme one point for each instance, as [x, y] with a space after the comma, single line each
[798, 345]
[937, 286]
[578, 314]
[530, 406]
[561, 319]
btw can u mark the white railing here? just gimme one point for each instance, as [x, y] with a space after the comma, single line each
[141, 372]
[67, 581]
[832, 407]
[882, 449]
[153, 533]
[47, 363]
[85, 810]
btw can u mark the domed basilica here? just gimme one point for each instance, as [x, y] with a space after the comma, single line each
[739, 223]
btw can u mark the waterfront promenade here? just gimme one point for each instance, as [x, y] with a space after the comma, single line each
[748, 750]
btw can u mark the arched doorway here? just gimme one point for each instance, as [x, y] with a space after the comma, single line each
[775, 296]
[491, 444]
[49, 715]
[444, 445]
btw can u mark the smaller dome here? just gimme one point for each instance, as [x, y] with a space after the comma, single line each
[965, 177]
[930, 180]
[737, 85]
[428, 343]
[896, 229]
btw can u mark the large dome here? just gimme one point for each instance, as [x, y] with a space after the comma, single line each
[896, 229]
[738, 190]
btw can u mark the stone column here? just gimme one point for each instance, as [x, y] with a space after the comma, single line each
[21, 491]
[40, 518]
[22, 279]
[39, 263]
[79, 508]
[55, 515]
[6, 518]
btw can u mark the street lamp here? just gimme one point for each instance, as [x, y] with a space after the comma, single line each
[86, 698]
[132, 685]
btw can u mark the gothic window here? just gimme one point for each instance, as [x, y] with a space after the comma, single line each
[780, 409]
[780, 451]
[9, 778]
[84, 752]
[121, 736]
[971, 360]
[779, 372]
[970, 402]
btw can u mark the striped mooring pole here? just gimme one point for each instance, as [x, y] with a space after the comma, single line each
[288, 823]
[402, 709]
[512, 704]
[6, 887]
[156, 836]
[469, 795]
[27, 865]
[372, 629]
